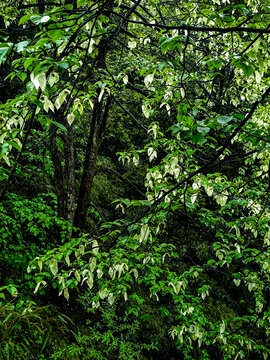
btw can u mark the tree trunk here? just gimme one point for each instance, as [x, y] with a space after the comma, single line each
[98, 126]
[69, 174]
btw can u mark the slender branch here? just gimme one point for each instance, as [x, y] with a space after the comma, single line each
[200, 28]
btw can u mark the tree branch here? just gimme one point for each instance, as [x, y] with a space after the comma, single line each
[199, 28]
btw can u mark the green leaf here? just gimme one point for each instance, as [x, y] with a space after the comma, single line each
[224, 120]
[81, 3]
[203, 130]
[37, 287]
[36, 19]
[12, 290]
[90, 280]
[28, 62]
[167, 43]
[66, 293]
[21, 46]
[61, 98]
[103, 293]
[55, 34]
[39, 80]
[4, 149]
[24, 19]
[95, 247]
[22, 76]
[60, 126]
[53, 266]
[144, 232]
[4, 49]
[42, 81]
[35, 101]
[53, 78]
[62, 65]
[15, 145]
[247, 69]
[70, 118]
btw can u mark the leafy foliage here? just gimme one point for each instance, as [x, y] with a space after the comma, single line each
[178, 265]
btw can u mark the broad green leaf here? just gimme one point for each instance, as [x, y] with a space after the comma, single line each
[90, 280]
[66, 293]
[24, 19]
[42, 81]
[53, 78]
[40, 263]
[70, 118]
[60, 126]
[237, 281]
[28, 62]
[247, 69]
[203, 130]
[22, 76]
[77, 275]
[61, 98]
[67, 260]
[224, 120]
[39, 80]
[21, 46]
[111, 299]
[4, 149]
[82, 3]
[99, 273]
[258, 76]
[34, 100]
[47, 104]
[53, 266]
[95, 247]
[15, 145]
[12, 290]
[251, 286]
[144, 233]
[146, 110]
[4, 49]
[36, 19]
[37, 287]
[101, 94]
[92, 263]
[103, 293]
[55, 34]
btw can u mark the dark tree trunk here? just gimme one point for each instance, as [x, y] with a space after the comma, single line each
[98, 125]
[69, 174]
